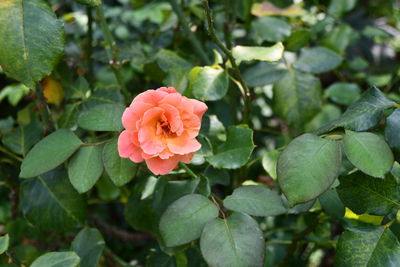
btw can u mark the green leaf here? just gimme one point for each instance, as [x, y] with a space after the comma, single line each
[255, 200]
[332, 204]
[89, 245]
[208, 83]
[185, 218]
[269, 161]
[392, 129]
[106, 117]
[14, 93]
[340, 38]
[363, 114]
[57, 259]
[270, 29]
[23, 138]
[30, 29]
[365, 194]
[56, 206]
[246, 53]
[297, 97]
[85, 168]
[368, 246]
[339, 7]
[50, 152]
[120, 170]
[69, 116]
[233, 242]
[89, 3]
[328, 113]
[343, 93]
[317, 60]
[307, 167]
[4, 243]
[236, 151]
[263, 73]
[368, 152]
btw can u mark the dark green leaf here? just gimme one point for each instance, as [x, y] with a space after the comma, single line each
[263, 73]
[57, 259]
[365, 194]
[340, 37]
[106, 117]
[328, 113]
[217, 176]
[307, 167]
[317, 60]
[120, 170]
[343, 93]
[85, 168]
[339, 7]
[185, 218]
[255, 200]
[236, 151]
[233, 242]
[368, 246]
[363, 114]
[392, 129]
[68, 118]
[270, 29]
[51, 203]
[30, 29]
[368, 152]
[50, 152]
[23, 138]
[297, 97]
[106, 188]
[208, 83]
[332, 204]
[89, 245]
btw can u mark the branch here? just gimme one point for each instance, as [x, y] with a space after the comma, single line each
[192, 38]
[228, 53]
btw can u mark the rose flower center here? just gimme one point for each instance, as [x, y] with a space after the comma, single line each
[163, 127]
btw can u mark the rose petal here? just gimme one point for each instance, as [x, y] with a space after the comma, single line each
[151, 97]
[127, 149]
[160, 166]
[183, 144]
[169, 90]
[133, 114]
[150, 142]
[173, 118]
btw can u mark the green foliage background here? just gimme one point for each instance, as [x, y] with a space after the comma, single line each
[299, 164]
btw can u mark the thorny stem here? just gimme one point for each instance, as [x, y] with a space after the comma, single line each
[43, 108]
[192, 38]
[111, 49]
[89, 49]
[219, 207]
[228, 53]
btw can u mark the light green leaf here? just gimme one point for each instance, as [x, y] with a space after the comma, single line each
[365, 194]
[317, 60]
[14, 93]
[30, 29]
[85, 168]
[57, 259]
[208, 83]
[56, 206]
[233, 242]
[255, 200]
[4, 243]
[367, 247]
[307, 167]
[236, 151]
[185, 218]
[50, 152]
[120, 170]
[297, 97]
[89, 3]
[368, 152]
[106, 117]
[363, 114]
[88, 245]
[269, 161]
[246, 53]
[392, 129]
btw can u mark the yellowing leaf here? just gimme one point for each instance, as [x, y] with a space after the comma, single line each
[372, 219]
[53, 91]
[268, 9]
[247, 53]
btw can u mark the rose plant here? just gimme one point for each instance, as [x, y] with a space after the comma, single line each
[273, 138]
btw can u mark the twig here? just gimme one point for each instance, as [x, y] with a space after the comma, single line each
[111, 49]
[44, 109]
[5, 151]
[228, 54]
[190, 35]
[289, 242]
[96, 144]
[89, 49]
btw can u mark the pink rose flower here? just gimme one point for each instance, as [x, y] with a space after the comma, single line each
[161, 128]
